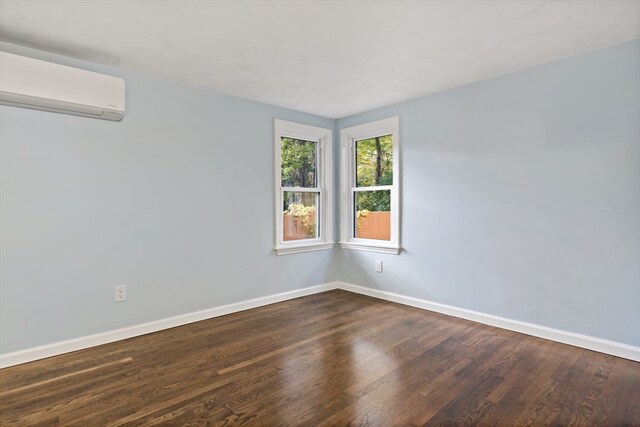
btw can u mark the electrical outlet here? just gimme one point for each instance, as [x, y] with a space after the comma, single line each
[120, 293]
[378, 266]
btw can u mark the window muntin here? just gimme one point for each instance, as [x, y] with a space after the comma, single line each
[370, 211]
[303, 177]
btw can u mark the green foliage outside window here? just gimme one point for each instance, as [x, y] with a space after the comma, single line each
[374, 201]
[298, 162]
[374, 161]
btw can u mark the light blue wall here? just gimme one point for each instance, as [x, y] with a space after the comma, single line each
[176, 202]
[521, 197]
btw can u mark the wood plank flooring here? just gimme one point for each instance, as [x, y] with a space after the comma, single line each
[334, 358]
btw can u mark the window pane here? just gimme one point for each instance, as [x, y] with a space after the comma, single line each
[300, 215]
[372, 214]
[374, 161]
[298, 159]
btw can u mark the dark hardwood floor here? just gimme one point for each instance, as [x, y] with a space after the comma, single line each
[334, 358]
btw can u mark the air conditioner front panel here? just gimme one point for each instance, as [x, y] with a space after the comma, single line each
[31, 83]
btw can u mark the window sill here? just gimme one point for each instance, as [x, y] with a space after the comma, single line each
[304, 248]
[383, 249]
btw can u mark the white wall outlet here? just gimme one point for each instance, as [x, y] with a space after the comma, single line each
[120, 293]
[378, 266]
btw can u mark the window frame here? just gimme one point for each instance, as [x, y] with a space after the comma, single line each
[324, 185]
[349, 136]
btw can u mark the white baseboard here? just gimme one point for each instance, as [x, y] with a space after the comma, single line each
[54, 349]
[584, 341]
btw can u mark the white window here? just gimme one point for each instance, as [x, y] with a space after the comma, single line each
[303, 182]
[370, 176]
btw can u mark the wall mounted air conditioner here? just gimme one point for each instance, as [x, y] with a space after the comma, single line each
[39, 85]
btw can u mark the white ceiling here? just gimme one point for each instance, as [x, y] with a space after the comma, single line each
[326, 57]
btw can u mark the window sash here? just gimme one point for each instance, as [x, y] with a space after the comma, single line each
[318, 156]
[354, 155]
[319, 212]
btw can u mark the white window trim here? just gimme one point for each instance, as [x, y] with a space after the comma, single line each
[325, 184]
[348, 137]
